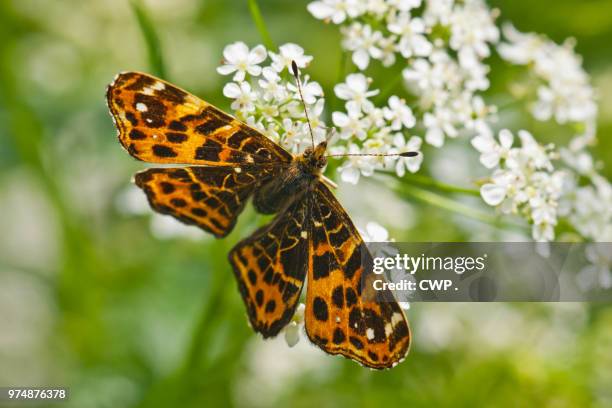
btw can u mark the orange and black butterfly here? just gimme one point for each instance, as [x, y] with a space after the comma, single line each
[226, 163]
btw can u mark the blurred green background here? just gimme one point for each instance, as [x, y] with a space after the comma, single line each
[128, 310]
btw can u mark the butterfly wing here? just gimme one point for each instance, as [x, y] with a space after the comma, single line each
[161, 123]
[209, 197]
[369, 328]
[270, 267]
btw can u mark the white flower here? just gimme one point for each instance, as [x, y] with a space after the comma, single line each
[311, 90]
[374, 232]
[388, 47]
[524, 182]
[412, 164]
[404, 5]
[352, 123]
[492, 152]
[495, 192]
[355, 166]
[399, 114]
[422, 74]
[243, 96]
[335, 10]
[238, 58]
[289, 52]
[472, 27]
[363, 42]
[412, 38]
[270, 84]
[564, 92]
[295, 326]
[377, 8]
[589, 208]
[439, 11]
[355, 91]
[438, 124]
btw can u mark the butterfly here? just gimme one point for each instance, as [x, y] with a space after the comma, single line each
[225, 163]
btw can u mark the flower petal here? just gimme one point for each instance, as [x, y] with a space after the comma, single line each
[493, 194]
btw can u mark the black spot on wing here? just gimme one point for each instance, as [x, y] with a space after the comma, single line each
[172, 94]
[351, 297]
[339, 336]
[136, 134]
[319, 308]
[210, 126]
[176, 137]
[236, 139]
[177, 126]
[163, 151]
[142, 82]
[338, 296]
[167, 188]
[323, 264]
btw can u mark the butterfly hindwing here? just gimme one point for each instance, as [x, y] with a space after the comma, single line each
[270, 267]
[340, 318]
[161, 123]
[209, 197]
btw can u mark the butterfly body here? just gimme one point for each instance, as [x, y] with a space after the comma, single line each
[297, 179]
[217, 164]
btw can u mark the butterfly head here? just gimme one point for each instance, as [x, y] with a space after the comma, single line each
[315, 158]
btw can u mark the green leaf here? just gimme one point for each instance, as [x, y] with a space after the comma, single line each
[260, 24]
[154, 51]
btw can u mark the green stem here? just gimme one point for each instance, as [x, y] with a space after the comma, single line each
[426, 181]
[260, 24]
[451, 205]
[152, 41]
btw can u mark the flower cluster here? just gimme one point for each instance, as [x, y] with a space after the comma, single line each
[524, 180]
[266, 97]
[374, 131]
[588, 208]
[442, 43]
[438, 48]
[563, 90]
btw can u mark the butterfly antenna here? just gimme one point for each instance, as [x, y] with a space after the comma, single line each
[296, 74]
[403, 154]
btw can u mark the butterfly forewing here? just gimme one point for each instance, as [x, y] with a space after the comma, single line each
[270, 267]
[161, 123]
[341, 319]
[209, 197]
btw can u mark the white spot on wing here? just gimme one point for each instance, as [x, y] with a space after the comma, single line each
[141, 107]
[370, 333]
[158, 86]
[396, 318]
[237, 169]
[147, 91]
[304, 234]
[388, 329]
